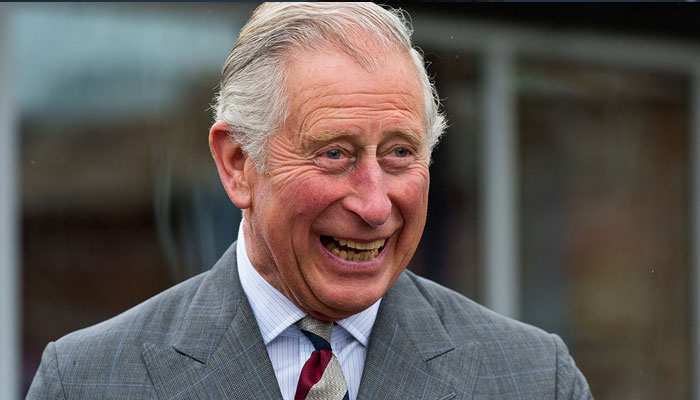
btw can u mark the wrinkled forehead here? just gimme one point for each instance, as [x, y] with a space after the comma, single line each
[378, 63]
[328, 83]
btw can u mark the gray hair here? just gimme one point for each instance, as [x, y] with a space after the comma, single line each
[252, 98]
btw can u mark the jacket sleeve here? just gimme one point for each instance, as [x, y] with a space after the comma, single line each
[570, 382]
[47, 381]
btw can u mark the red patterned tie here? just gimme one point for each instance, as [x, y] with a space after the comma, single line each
[321, 378]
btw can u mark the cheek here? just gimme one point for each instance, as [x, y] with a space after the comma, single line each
[306, 193]
[411, 192]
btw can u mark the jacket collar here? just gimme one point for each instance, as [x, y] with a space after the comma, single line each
[211, 311]
[412, 353]
[218, 348]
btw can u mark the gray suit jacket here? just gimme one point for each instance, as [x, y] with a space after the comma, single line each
[199, 340]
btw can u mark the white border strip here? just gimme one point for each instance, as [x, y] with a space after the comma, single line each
[695, 230]
[9, 267]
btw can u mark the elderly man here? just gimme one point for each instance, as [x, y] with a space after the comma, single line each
[325, 124]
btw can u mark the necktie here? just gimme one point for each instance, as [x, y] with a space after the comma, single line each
[321, 377]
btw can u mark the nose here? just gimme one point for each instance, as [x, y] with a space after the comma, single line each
[369, 199]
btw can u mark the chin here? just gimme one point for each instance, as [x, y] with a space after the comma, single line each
[353, 300]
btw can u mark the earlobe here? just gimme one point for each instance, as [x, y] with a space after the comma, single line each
[230, 161]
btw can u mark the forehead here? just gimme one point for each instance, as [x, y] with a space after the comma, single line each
[328, 91]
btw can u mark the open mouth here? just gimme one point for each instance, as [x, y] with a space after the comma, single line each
[352, 250]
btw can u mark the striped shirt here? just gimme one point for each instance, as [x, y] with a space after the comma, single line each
[287, 346]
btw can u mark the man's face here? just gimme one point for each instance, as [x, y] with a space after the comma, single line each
[341, 209]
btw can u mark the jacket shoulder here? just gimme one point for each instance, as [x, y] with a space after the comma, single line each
[517, 359]
[92, 358]
[458, 312]
[154, 320]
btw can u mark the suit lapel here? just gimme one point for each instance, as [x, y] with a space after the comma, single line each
[218, 351]
[410, 353]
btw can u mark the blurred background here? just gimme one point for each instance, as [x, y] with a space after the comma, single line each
[565, 194]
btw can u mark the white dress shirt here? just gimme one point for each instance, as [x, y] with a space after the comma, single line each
[287, 346]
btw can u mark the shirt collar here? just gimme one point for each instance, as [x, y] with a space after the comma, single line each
[274, 312]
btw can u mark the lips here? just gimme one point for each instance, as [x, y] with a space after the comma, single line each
[353, 250]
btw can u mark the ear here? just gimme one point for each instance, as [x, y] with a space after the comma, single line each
[230, 161]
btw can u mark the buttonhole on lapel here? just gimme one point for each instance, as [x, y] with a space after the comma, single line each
[449, 396]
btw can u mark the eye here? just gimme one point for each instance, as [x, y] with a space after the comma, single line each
[401, 152]
[334, 154]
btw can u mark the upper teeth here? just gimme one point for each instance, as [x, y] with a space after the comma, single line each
[359, 245]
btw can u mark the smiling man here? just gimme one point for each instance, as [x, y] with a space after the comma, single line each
[341, 205]
[326, 120]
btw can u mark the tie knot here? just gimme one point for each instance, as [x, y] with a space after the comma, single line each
[319, 332]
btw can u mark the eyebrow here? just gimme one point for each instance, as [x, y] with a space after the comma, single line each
[309, 138]
[417, 139]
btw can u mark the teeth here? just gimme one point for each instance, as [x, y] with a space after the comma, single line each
[359, 245]
[366, 251]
